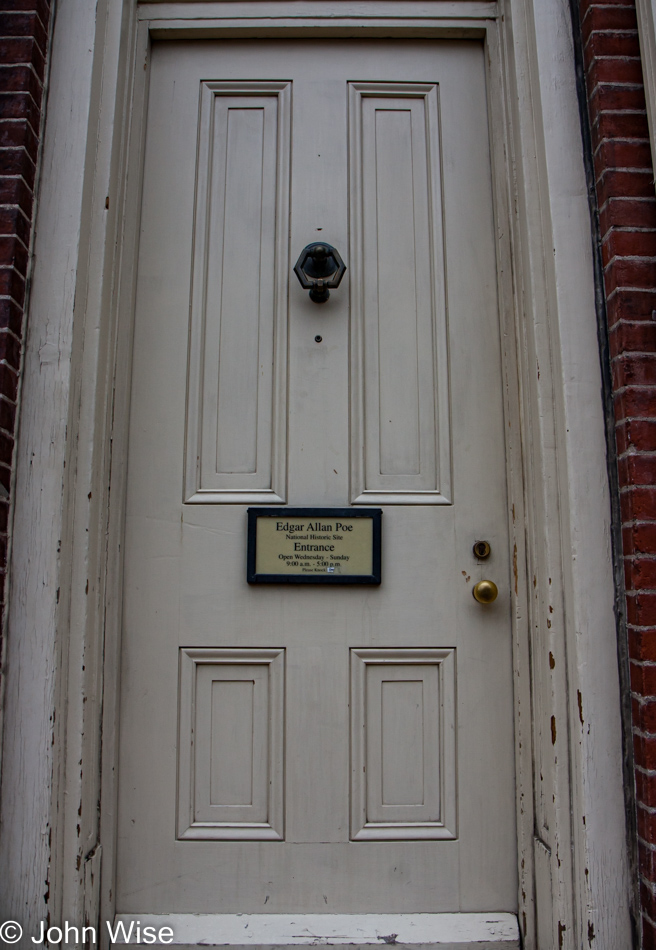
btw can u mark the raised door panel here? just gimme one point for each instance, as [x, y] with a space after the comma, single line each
[230, 740]
[236, 433]
[400, 451]
[403, 727]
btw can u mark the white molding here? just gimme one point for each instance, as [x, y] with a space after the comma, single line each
[646, 10]
[72, 443]
[414, 11]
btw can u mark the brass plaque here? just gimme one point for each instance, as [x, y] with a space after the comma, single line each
[314, 545]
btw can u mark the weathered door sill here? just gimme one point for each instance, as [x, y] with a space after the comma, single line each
[491, 931]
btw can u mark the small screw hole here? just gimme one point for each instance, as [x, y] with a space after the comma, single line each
[318, 339]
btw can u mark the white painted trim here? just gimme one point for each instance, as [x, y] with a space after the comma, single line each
[415, 931]
[646, 10]
[34, 651]
[230, 10]
[72, 444]
[576, 731]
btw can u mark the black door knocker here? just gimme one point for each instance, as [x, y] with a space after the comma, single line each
[319, 268]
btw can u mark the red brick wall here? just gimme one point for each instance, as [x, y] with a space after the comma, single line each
[23, 45]
[624, 184]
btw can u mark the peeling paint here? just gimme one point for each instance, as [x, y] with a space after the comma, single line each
[553, 730]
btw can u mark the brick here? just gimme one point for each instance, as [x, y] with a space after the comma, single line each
[20, 105]
[631, 305]
[12, 284]
[13, 221]
[620, 243]
[644, 716]
[647, 827]
[611, 153]
[643, 678]
[621, 212]
[640, 573]
[41, 7]
[22, 49]
[645, 788]
[21, 79]
[13, 23]
[6, 449]
[648, 941]
[636, 433]
[606, 17]
[13, 253]
[634, 401]
[647, 861]
[4, 516]
[8, 383]
[11, 315]
[634, 369]
[636, 183]
[10, 349]
[631, 272]
[16, 161]
[622, 443]
[628, 337]
[648, 899]
[18, 133]
[638, 539]
[638, 503]
[616, 97]
[613, 69]
[585, 5]
[644, 751]
[612, 44]
[615, 125]
[5, 479]
[7, 421]
[16, 191]
[641, 610]
[642, 644]
[637, 470]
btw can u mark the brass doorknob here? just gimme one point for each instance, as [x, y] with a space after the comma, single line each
[485, 592]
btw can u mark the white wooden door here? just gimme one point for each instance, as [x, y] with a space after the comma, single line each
[304, 749]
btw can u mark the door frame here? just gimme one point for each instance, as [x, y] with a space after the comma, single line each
[64, 631]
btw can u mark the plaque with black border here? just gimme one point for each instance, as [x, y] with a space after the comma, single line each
[314, 546]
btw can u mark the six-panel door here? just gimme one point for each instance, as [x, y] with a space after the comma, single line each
[301, 749]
